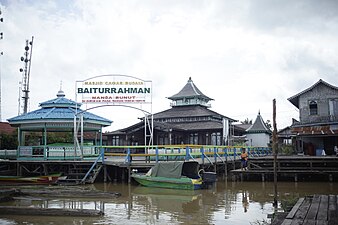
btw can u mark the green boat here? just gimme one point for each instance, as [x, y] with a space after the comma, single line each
[176, 175]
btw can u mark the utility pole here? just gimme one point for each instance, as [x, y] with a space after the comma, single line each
[27, 59]
[1, 54]
[275, 151]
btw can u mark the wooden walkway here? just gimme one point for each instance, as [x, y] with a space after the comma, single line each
[314, 210]
[290, 167]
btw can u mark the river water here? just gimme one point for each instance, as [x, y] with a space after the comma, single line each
[234, 203]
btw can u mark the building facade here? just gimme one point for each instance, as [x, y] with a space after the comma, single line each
[188, 121]
[317, 128]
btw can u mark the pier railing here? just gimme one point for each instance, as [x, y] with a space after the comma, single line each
[52, 152]
[130, 154]
[182, 152]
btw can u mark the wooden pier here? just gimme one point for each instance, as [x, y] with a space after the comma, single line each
[114, 166]
[312, 210]
[296, 168]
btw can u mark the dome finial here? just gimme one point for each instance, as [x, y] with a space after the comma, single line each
[60, 93]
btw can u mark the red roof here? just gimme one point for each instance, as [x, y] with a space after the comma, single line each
[6, 128]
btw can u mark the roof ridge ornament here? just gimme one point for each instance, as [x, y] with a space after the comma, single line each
[60, 93]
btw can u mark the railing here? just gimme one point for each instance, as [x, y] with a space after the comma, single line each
[128, 154]
[183, 152]
[8, 154]
[100, 157]
[56, 152]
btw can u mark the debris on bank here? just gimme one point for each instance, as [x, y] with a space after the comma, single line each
[19, 210]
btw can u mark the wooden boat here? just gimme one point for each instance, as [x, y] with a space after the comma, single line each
[45, 179]
[176, 175]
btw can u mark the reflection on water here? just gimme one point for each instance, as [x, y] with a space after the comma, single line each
[224, 203]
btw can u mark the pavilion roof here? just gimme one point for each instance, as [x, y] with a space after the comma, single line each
[58, 110]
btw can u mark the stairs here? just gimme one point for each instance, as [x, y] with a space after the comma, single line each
[77, 173]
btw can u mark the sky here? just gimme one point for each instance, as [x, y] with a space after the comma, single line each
[243, 54]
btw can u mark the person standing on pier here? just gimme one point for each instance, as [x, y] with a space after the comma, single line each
[244, 159]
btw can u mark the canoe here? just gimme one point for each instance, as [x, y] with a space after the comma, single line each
[45, 179]
[176, 175]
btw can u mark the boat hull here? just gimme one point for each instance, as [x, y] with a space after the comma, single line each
[47, 179]
[183, 183]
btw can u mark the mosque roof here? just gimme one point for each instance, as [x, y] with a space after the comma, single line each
[258, 126]
[189, 90]
[56, 110]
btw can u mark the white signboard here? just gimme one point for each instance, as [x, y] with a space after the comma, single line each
[114, 89]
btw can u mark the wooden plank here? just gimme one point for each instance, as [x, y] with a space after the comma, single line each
[297, 222]
[322, 222]
[302, 212]
[287, 222]
[309, 222]
[323, 208]
[332, 203]
[333, 210]
[313, 210]
[295, 208]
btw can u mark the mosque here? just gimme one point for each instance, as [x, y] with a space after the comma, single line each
[191, 121]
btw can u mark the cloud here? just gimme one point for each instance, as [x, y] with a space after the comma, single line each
[243, 54]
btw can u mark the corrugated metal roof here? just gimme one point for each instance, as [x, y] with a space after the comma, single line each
[58, 109]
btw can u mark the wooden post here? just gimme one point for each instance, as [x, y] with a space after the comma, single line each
[226, 162]
[274, 150]
[129, 174]
[104, 174]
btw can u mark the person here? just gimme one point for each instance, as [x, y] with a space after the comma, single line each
[244, 159]
[336, 150]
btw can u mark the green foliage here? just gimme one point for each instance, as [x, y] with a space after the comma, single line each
[287, 204]
[59, 137]
[9, 141]
[268, 124]
[286, 150]
[32, 139]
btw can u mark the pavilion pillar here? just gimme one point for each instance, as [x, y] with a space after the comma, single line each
[46, 152]
[19, 143]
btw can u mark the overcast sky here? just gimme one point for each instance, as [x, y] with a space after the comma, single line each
[243, 54]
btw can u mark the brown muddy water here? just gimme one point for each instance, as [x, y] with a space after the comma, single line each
[226, 202]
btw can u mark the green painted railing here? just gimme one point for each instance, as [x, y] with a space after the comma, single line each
[60, 152]
[133, 153]
[183, 152]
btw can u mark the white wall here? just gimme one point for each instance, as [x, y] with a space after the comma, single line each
[258, 139]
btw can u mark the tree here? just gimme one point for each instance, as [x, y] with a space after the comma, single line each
[246, 121]
[9, 141]
[268, 124]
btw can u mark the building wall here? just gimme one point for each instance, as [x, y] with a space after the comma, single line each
[258, 139]
[321, 94]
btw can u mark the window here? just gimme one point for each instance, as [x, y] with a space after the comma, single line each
[216, 138]
[313, 108]
[333, 107]
[116, 141]
[194, 139]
